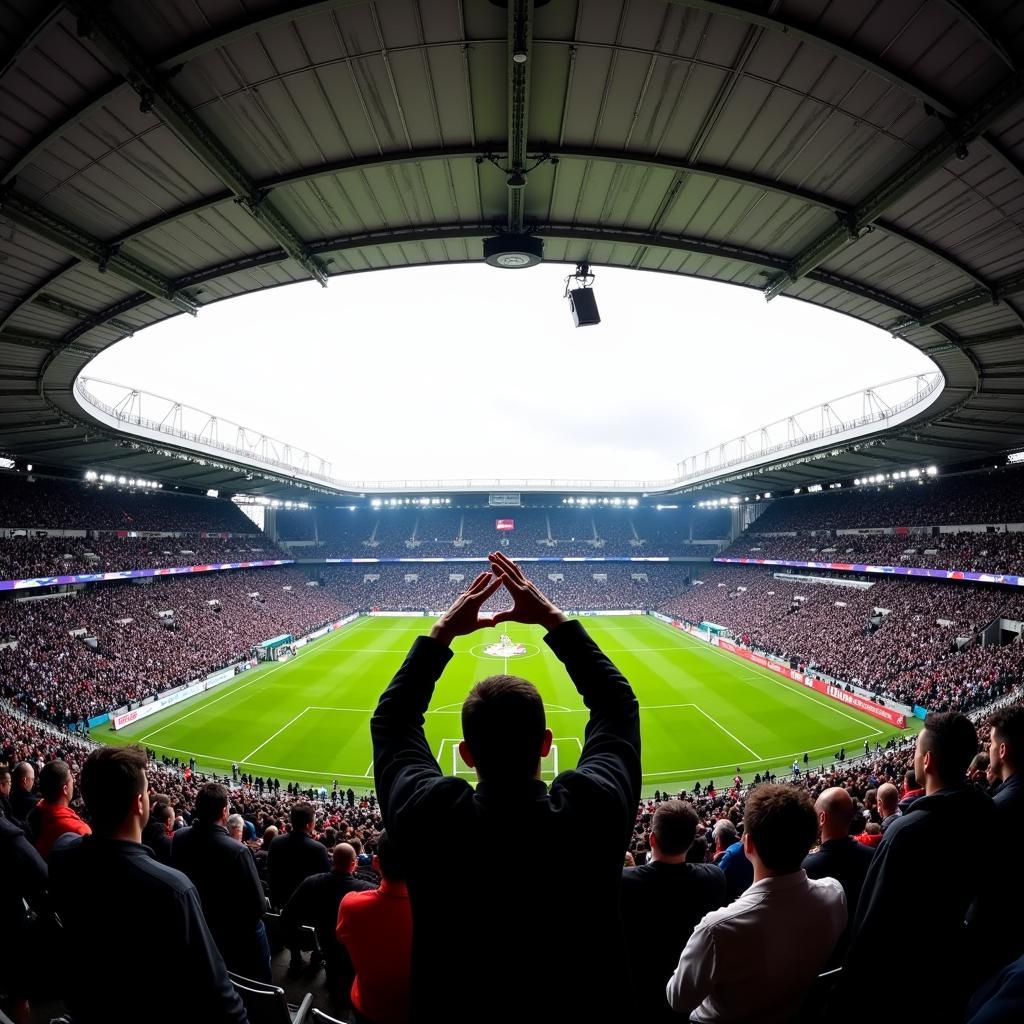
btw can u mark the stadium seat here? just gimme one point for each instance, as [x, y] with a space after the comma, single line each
[319, 1015]
[266, 1004]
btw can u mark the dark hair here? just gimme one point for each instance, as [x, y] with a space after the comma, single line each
[782, 825]
[211, 802]
[302, 816]
[392, 867]
[52, 779]
[1009, 724]
[503, 724]
[674, 825]
[952, 740]
[5, 773]
[112, 777]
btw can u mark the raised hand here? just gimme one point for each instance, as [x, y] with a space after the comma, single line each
[529, 605]
[464, 615]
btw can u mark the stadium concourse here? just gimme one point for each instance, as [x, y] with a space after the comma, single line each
[70, 654]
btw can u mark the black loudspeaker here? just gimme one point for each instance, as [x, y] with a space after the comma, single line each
[584, 307]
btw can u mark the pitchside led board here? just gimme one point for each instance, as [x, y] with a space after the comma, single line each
[505, 525]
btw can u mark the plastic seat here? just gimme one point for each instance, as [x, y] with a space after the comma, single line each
[266, 1003]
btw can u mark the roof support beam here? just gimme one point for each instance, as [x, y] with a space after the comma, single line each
[967, 301]
[72, 239]
[987, 36]
[520, 57]
[98, 24]
[26, 339]
[952, 140]
[10, 58]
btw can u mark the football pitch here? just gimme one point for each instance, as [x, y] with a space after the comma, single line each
[703, 713]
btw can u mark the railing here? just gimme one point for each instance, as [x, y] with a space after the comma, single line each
[884, 405]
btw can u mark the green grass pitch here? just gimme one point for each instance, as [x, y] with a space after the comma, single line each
[704, 713]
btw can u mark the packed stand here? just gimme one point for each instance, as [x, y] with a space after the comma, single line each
[141, 639]
[964, 551]
[42, 557]
[45, 503]
[910, 641]
[540, 532]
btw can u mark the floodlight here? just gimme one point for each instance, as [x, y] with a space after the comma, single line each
[582, 303]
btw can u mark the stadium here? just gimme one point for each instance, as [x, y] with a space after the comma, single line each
[266, 749]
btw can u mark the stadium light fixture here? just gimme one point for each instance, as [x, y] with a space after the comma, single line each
[767, 494]
[932, 471]
[1014, 457]
[582, 303]
[29, 467]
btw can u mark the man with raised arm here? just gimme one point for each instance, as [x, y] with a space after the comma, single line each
[517, 936]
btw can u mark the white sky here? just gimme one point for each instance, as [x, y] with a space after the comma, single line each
[468, 371]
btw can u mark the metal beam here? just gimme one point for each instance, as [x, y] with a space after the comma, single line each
[27, 339]
[520, 58]
[987, 36]
[10, 58]
[72, 239]
[967, 301]
[98, 24]
[953, 139]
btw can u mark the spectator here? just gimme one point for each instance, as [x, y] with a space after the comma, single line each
[262, 855]
[661, 903]
[738, 870]
[23, 795]
[159, 830]
[1002, 999]
[920, 851]
[839, 856]
[741, 962]
[6, 810]
[225, 876]
[159, 918]
[315, 902]
[584, 823]
[999, 913]
[53, 816]
[725, 835]
[375, 927]
[235, 826]
[888, 805]
[293, 858]
[22, 897]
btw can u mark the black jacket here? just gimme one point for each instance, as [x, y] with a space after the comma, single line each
[661, 905]
[316, 902]
[148, 914]
[224, 873]
[530, 858]
[22, 802]
[926, 871]
[155, 836]
[292, 858]
[845, 860]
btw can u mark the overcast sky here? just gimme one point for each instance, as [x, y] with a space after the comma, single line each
[467, 371]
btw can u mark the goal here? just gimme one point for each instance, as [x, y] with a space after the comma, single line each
[548, 765]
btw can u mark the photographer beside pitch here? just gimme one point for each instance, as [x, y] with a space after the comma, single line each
[515, 935]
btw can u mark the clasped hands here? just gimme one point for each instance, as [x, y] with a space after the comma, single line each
[529, 605]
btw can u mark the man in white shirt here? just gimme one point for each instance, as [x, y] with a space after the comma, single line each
[756, 959]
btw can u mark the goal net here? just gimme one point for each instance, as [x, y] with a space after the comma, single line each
[548, 765]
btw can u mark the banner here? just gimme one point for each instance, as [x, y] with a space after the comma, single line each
[172, 697]
[504, 524]
[134, 574]
[1006, 579]
[837, 693]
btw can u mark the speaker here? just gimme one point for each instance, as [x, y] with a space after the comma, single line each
[584, 307]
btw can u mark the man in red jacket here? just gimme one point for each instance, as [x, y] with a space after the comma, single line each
[376, 928]
[52, 817]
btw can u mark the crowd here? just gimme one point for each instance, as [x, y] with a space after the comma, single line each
[905, 640]
[983, 498]
[731, 904]
[553, 532]
[44, 503]
[27, 557]
[81, 655]
[963, 551]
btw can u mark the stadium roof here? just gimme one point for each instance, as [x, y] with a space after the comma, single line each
[159, 155]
